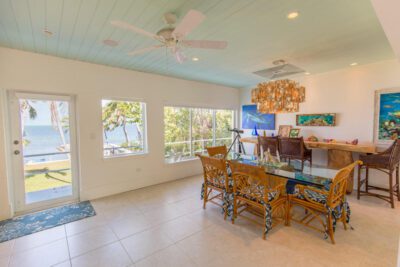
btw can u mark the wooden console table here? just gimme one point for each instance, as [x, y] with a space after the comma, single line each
[339, 154]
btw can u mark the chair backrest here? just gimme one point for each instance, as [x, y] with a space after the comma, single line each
[217, 150]
[293, 147]
[214, 170]
[338, 186]
[250, 180]
[394, 154]
[266, 143]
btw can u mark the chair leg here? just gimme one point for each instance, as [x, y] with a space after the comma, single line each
[205, 199]
[288, 210]
[344, 215]
[359, 182]
[330, 228]
[397, 183]
[234, 210]
[265, 227]
[366, 178]
[302, 164]
[391, 189]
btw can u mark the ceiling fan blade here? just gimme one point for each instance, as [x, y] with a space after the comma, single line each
[127, 26]
[179, 55]
[144, 50]
[192, 19]
[205, 44]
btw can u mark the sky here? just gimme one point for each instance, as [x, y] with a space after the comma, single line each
[43, 113]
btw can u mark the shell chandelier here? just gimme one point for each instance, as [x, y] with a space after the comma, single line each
[278, 96]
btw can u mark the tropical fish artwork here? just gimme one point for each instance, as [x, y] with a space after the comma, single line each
[251, 117]
[389, 116]
[327, 119]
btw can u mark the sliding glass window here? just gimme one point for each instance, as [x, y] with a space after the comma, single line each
[190, 130]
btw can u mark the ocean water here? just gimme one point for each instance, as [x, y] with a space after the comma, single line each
[45, 139]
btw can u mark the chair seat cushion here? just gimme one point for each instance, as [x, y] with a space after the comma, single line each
[271, 196]
[310, 194]
[222, 181]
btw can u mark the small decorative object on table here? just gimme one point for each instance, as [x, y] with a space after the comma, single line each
[354, 142]
[254, 132]
[284, 130]
[294, 132]
[312, 138]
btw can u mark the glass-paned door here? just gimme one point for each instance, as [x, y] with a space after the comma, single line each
[43, 150]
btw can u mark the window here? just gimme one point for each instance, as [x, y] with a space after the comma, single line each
[190, 130]
[124, 128]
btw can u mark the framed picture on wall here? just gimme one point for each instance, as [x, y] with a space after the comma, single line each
[294, 132]
[251, 117]
[387, 116]
[323, 119]
[284, 130]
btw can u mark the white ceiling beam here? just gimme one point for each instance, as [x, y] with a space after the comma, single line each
[388, 15]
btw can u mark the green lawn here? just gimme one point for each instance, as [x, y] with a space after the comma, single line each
[41, 176]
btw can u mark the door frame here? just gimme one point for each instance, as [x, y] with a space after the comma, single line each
[17, 166]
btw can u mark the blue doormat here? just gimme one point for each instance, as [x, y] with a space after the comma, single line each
[39, 221]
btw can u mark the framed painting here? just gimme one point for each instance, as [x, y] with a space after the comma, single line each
[294, 132]
[387, 116]
[323, 119]
[251, 117]
[284, 130]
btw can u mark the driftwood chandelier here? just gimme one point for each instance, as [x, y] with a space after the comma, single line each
[282, 96]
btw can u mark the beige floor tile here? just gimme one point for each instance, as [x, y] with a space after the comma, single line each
[4, 261]
[63, 264]
[181, 228]
[85, 224]
[130, 225]
[171, 256]
[145, 243]
[112, 255]
[6, 248]
[39, 238]
[90, 240]
[43, 256]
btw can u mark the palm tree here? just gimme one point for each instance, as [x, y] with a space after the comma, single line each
[120, 114]
[27, 110]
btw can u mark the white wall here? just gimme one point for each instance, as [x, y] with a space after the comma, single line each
[349, 93]
[90, 83]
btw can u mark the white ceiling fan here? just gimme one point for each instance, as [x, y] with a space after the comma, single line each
[173, 38]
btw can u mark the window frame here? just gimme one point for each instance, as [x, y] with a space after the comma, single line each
[214, 124]
[145, 150]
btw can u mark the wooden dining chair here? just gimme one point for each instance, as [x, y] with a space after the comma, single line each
[253, 193]
[330, 204]
[387, 162]
[294, 148]
[268, 143]
[217, 150]
[216, 179]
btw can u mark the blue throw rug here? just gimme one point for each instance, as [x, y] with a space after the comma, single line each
[39, 221]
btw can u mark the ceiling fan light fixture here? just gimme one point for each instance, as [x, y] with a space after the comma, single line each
[110, 42]
[293, 15]
[195, 59]
[354, 64]
[47, 32]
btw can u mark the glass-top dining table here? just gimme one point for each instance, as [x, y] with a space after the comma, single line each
[314, 175]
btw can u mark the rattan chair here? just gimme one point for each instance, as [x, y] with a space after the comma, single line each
[268, 143]
[216, 179]
[294, 148]
[253, 193]
[330, 204]
[217, 150]
[387, 162]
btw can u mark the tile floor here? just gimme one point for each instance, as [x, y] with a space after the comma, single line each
[165, 225]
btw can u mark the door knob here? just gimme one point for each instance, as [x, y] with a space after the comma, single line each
[16, 152]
